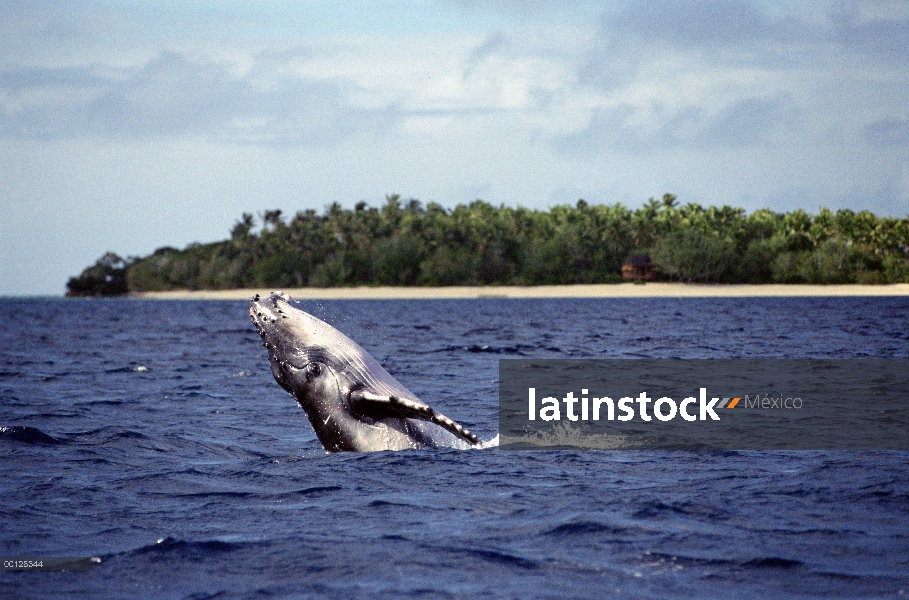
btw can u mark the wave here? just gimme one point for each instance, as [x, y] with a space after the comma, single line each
[27, 435]
[311, 491]
[755, 562]
[500, 557]
[175, 547]
[581, 528]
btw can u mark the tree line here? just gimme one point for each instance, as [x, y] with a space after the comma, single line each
[405, 243]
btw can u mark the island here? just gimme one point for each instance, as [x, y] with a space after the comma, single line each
[406, 244]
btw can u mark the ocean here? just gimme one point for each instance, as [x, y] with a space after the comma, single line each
[152, 436]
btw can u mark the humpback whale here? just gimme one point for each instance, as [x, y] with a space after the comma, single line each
[351, 401]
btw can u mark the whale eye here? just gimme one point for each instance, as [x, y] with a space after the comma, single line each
[313, 370]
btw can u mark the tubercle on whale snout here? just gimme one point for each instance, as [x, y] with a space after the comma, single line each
[275, 296]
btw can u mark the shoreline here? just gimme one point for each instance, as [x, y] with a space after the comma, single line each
[607, 290]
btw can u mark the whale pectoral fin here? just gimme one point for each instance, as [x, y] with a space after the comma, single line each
[376, 406]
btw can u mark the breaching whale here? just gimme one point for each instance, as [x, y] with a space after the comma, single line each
[351, 401]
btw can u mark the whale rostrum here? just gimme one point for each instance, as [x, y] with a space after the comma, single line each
[352, 402]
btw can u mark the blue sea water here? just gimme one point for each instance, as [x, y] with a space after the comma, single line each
[152, 435]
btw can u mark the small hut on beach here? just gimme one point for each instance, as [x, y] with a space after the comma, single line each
[638, 267]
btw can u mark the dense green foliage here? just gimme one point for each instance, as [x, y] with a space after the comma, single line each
[107, 277]
[407, 244]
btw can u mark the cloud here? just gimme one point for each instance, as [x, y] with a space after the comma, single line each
[707, 32]
[722, 34]
[171, 95]
[517, 6]
[749, 121]
[879, 29]
[729, 74]
[17, 81]
[697, 23]
[493, 43]
[888, 132]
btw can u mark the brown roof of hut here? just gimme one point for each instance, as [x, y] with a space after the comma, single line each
[638, 260]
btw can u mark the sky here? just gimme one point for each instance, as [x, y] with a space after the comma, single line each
[128, 125]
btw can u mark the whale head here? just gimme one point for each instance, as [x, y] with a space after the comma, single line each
[317, 364]
[297, 343]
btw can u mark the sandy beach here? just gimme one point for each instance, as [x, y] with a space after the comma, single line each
[620, 290]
